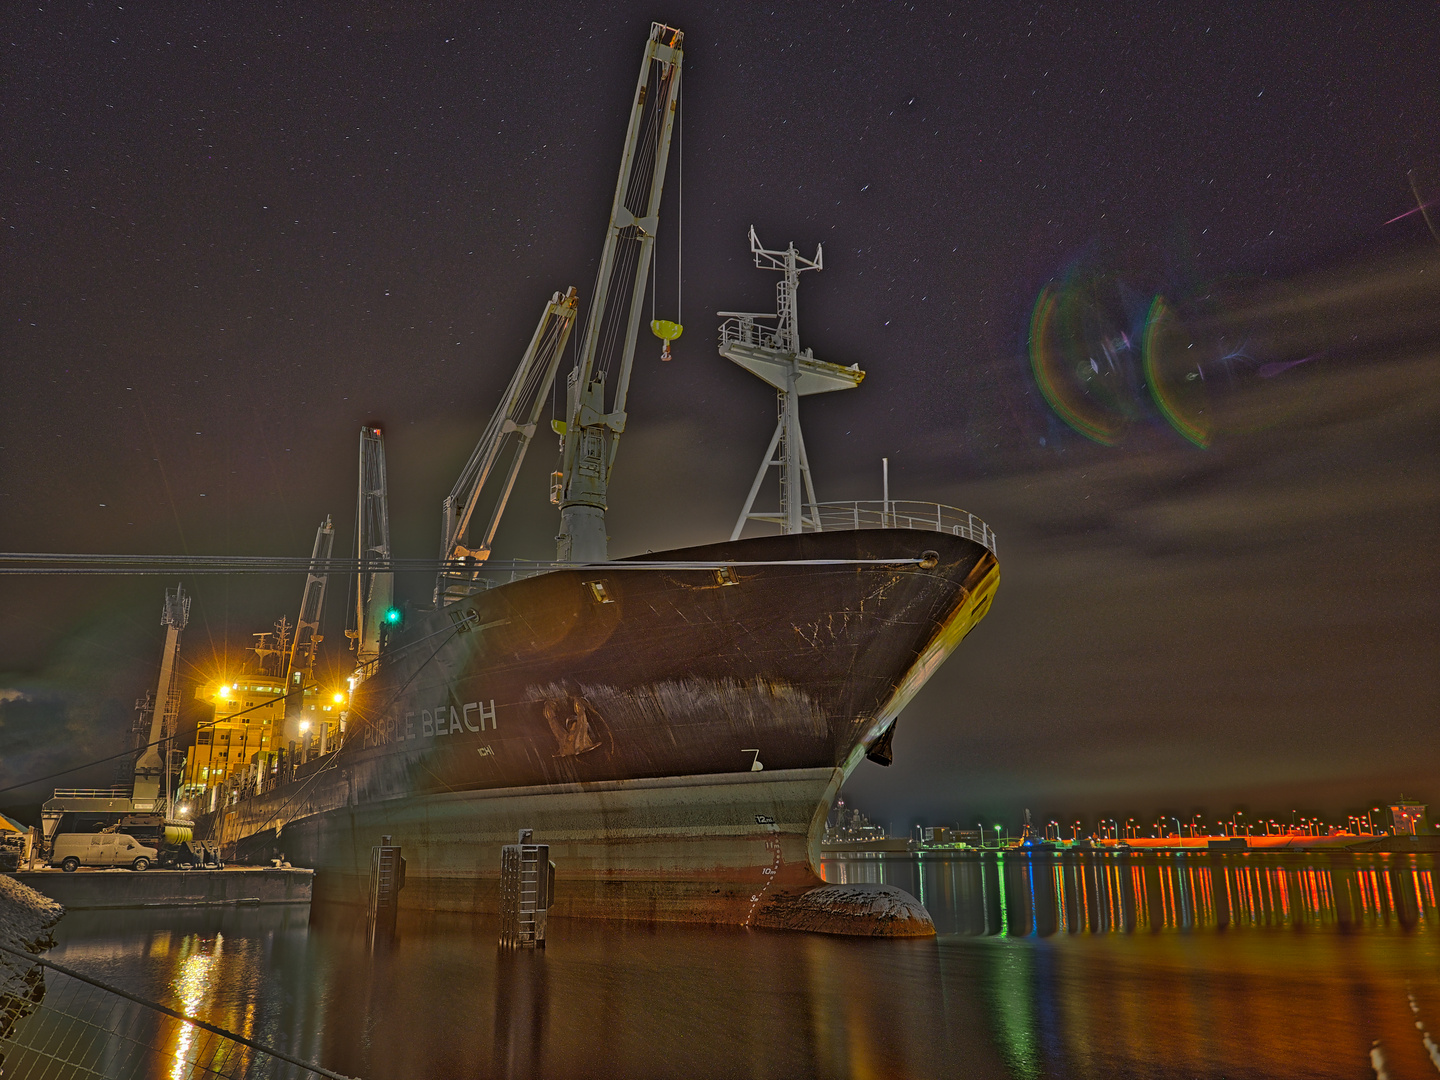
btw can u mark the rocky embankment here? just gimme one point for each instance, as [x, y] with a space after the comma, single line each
[26, 919]
[26, 916]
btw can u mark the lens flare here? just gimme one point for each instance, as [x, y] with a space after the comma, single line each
[1174, 374]
[1080, 356]
[1207, 360]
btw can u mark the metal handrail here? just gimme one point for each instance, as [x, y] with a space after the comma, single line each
[904, 514]
[829, 517]
[92, 793]
[745, 331]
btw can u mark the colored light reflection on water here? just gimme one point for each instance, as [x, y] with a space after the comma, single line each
[1046, 966]
[1043, 893]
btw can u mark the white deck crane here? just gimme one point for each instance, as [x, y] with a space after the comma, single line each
[375, 588]
[301, 670]
[501, 450]
[592, 428]
[774, 354]
[153, 765]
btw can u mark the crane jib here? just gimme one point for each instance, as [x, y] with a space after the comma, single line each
[594, 419]
[593, 425]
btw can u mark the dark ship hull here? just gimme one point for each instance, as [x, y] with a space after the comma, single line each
[675, 735]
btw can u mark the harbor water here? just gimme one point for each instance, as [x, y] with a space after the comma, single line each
[1045, 965]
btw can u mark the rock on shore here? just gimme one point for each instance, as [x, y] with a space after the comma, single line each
[855, 910]
[26, 919]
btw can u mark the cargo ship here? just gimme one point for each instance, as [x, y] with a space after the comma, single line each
[674, 726]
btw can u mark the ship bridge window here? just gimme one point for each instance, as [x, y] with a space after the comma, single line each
[203, 737]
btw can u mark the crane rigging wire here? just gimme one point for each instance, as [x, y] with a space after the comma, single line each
[664, 329]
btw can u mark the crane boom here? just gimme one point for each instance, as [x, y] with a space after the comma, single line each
[375, 588]
[503, 444]
[593, 428]
[153, 766]
[301, 670]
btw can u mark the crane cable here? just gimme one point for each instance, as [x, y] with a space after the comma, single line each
[664, 329]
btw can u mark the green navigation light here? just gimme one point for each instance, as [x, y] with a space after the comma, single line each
[392, 615]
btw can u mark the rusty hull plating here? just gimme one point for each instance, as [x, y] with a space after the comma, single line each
[675, 736]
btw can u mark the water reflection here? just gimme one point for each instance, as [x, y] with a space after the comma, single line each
[1043, 893]
[192, 988]
[207, 963]
[1046, 966]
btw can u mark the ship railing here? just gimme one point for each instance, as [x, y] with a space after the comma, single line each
[827, 517]
[744, 330]
[902, 514]
[92, 793]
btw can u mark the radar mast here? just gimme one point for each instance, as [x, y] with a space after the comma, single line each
[774, 354]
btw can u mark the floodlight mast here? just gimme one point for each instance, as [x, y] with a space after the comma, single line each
[591, 431]
[776, 357]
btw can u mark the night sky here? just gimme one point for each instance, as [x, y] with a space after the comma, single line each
[233, 233]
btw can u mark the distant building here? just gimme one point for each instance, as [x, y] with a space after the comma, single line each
[1408, 818]
[846, 824]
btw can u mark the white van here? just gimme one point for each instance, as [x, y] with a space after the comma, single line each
[73, 850]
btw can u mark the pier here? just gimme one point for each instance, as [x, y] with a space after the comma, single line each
[93, 889]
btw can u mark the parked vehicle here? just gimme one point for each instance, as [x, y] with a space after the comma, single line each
[73, 850]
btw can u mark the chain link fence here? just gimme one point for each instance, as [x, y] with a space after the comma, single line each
[57, 1023]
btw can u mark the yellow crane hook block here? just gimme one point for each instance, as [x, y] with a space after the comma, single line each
[667, 332]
